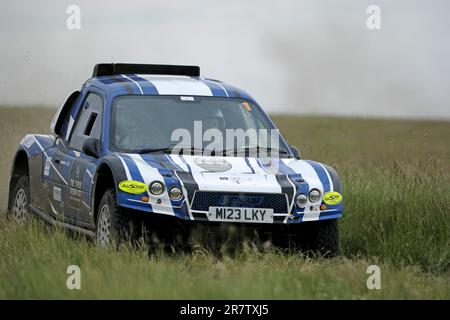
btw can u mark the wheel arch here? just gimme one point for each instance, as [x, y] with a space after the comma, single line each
[334, 178]
[20, 166]
[104, 179]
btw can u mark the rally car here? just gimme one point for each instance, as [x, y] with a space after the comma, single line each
[162, 145]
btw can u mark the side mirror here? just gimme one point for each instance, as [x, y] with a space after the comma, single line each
[91, 147]
[295, 151]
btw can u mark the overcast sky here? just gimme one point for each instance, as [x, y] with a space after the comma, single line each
[308, 57]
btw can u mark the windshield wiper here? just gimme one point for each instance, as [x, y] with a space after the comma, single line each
[189, 149]
[170, 149]
[193, 149]
[150, 150]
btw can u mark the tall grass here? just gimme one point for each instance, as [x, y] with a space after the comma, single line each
[34, 260]
[401, 218]
[396, 181]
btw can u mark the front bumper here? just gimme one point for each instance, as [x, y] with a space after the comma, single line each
[190, 209]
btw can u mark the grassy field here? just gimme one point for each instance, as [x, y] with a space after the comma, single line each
[396, 178]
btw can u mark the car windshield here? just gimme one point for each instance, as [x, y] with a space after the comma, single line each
[209, 124]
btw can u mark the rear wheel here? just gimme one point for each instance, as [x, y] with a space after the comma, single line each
[19, 210]
[113, 225]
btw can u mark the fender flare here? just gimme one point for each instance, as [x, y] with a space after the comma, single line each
[118, 174]
[20, 150]
[334, 178]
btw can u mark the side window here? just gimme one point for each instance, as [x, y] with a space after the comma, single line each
[89, 123]
[60, 122]
[64, 126]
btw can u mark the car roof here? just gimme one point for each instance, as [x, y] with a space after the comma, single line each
[145, 84]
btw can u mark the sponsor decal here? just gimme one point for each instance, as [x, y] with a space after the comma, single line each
[332, 198]
[247, 105]
[75, 190]
[57, 194]
[240, 201]
[76, 184]
[77, 172]
[132, 186]
[237, 180]
[28, 141]
[47, 166]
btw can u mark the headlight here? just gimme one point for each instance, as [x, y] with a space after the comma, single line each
[175, 193]
[156, 188]
[314, 195]
[301, 200]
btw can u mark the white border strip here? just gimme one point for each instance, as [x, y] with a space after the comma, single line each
[135, 82]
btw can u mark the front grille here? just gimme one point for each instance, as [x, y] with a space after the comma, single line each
[205, 199]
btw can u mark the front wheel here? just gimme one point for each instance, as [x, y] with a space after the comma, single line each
[19, 210]
[323, 238]
[316, 237]
[113, 225]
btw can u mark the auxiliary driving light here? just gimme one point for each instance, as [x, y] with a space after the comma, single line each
[314, 195]
[301, 200]
[156, 188]
[175, 193]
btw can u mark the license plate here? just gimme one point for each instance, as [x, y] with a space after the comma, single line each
[229, 214]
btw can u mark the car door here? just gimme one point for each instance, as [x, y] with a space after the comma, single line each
[55, 167]
[82, 167]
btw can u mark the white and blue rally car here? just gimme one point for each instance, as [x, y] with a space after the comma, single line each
[111, 161]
